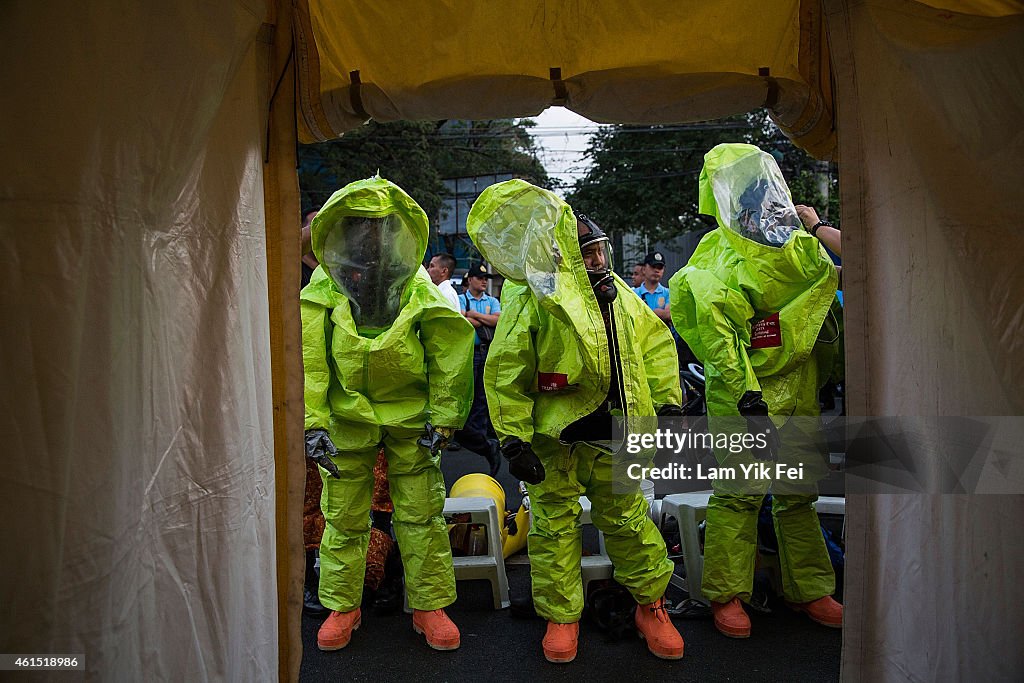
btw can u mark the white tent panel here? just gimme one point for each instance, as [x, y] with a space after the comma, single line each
[930, 105]
[136, 421]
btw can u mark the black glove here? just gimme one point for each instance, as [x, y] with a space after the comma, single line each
[670, 410]
[435, 439]
[523, 463]
[318, 447]
[753, 407]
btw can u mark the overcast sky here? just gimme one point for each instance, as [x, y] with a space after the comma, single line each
[561, 136]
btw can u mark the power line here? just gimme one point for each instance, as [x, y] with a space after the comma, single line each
[636, 179]
[605, 150]
[556, 131]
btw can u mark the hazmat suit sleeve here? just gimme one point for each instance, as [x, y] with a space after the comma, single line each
[510, 374]
[447, 339]
[316, 370]
[317, 301]
[661, 362]
[715, 322]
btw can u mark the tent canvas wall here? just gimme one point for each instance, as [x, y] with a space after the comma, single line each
[153, 384]
[931, 105]
[138, 490]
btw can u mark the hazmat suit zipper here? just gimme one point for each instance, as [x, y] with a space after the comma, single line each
[582, 430]
[615, 397]
[616, 357]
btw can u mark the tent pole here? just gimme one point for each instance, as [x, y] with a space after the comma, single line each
[281, 204]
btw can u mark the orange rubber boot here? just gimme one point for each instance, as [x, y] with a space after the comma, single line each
[655, 626]
[335, 633]
[825, 611]
[731, 619]
[441, 632]
[560, 642]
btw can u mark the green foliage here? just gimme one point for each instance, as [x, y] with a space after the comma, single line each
[471, 148]
[644, 178]
[417, 156]
[399, 151]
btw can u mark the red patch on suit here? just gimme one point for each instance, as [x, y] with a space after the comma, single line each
[766, 333]
[552, 381]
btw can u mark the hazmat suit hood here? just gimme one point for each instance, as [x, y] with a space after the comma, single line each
[370, 238]
[752, 308]
[529, 235]
[743, 188]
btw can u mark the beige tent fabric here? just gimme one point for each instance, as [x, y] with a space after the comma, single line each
[930, 110]
[807, 116]
[626, 61]
[138, 483]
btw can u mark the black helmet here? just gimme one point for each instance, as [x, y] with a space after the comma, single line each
[588, 231]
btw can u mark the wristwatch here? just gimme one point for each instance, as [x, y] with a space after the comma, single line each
[814, 228]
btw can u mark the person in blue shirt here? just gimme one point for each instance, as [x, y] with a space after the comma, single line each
[482, 311]
[655, 295]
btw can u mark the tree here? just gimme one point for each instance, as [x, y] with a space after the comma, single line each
[417, 156]
[644, 178]
[400, 152]
[470, 148]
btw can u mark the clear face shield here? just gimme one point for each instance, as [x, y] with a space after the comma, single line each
[597, 257]
[756, 201]
[518, 238]
[371, 261]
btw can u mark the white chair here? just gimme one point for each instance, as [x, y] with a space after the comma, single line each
[492, 565]
[832, 505]
[689, 510]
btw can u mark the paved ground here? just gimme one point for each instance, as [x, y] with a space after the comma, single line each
[498, 646]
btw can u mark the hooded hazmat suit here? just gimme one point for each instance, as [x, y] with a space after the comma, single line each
[550, 365]
[753, 304]
[383, 353]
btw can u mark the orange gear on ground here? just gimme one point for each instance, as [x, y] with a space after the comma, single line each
[381, 501]
[377, 551]
[312, 517]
